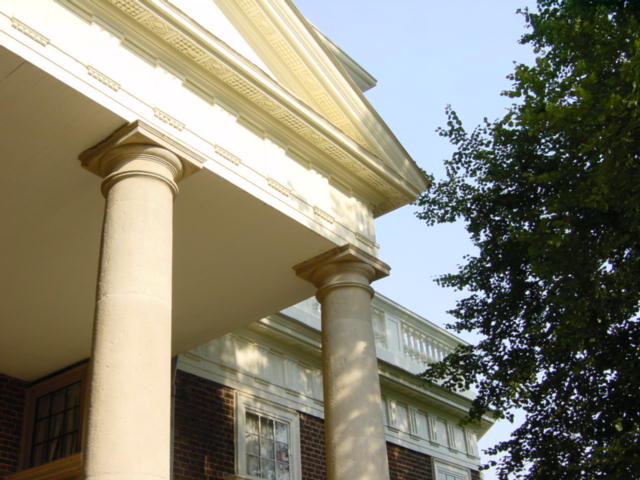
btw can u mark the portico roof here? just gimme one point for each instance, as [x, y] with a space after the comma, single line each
[288, 161]
[232, 254]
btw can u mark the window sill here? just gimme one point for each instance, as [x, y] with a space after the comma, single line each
[62, 469]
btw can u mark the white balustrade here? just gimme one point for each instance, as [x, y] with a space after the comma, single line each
[402, 338]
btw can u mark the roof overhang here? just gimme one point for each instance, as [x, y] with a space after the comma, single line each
[349, 133]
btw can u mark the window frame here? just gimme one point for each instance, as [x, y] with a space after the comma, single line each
[43, 387]
[247, 403]
[444, 468]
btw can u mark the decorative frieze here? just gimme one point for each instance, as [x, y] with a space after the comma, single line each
[102, 78]
[227, 155]
[168, 119]
[318, 212]
[29, 32]
[279, 187]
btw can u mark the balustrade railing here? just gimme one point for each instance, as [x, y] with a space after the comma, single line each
[402, 338]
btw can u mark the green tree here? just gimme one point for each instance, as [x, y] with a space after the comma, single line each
[550, 195]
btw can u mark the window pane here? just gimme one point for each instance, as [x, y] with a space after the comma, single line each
[41, 430]
[282, 432]
[71, 420]
[266, 428]
[57, 404]
[268, 469]
[282, 452]
[55, 426]
[253, 466]
[282, 471]
[266, 448]
[252, 444]
[73, 395]
[55, 450]
[252, 423]
[68, 444]
[43, 406]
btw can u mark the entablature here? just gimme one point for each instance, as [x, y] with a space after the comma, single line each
[198, 60]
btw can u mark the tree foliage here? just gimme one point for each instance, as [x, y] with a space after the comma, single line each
[550, 194]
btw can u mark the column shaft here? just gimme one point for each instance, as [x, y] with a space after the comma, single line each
[354, 431]
[128, 427]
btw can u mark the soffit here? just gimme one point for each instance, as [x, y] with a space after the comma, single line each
[232, 253]
[374, 156]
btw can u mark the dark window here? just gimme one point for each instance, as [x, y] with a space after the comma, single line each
[56, 429]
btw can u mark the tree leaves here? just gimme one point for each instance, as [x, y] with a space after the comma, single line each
[550, 195]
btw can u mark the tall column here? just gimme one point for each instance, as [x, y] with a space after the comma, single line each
[128, 424]
[354, 431]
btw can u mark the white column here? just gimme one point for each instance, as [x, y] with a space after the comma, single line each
[128, 425]
[354, 431]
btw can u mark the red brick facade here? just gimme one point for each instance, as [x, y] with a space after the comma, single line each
[204, 435]
[203, 429]
[404, 464]
[312, 448]
[12, 392]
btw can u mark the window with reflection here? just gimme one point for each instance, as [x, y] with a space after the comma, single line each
[268, 440]
[267, 447]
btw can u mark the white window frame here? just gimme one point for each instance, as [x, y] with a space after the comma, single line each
[247, 403]
[472, 444]
[441, 469]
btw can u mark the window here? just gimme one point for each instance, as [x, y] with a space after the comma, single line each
[439, 430]
[53, 417]
[457, 438]
[446, 471]
[267, 440]
[472, 444]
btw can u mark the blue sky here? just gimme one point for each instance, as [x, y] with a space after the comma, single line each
[426, 54]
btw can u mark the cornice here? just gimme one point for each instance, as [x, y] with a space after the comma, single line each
[258, 14]
[284, 329]
[251, 83]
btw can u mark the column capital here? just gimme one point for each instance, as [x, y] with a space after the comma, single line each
[343, 266]
[138, 137]
[137, 159]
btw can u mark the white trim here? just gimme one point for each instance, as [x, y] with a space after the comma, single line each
[441, 468]
[244, 403]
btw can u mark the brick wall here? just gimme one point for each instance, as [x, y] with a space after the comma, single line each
[203, 429]
[404, 464]
[204, 438]
[312, 448]
[12, 393]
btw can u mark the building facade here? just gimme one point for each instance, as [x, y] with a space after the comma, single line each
[210, 162]
[265, 376]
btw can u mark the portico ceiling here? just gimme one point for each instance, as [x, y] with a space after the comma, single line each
[232, 253]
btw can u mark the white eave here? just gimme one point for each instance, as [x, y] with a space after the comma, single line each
[363, 79]
[393, 179]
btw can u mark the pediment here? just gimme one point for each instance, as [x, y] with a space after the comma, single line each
[316, 71]
[276, 38]
[266, 52]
